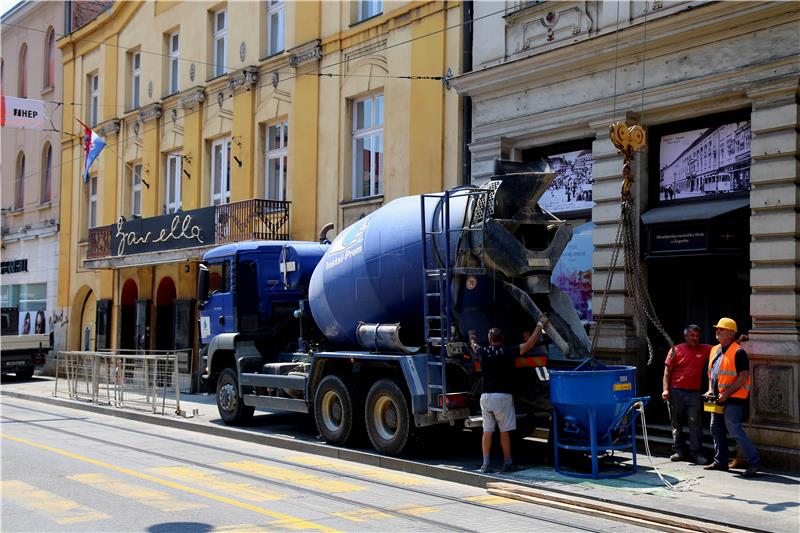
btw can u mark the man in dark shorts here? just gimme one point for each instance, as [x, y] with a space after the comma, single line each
[683, 379]
[497, 403]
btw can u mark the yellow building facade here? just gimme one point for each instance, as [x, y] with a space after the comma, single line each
[237, 121]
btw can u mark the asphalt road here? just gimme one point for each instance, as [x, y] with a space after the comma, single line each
[69, 470]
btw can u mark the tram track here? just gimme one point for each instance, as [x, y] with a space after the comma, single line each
[432, 498]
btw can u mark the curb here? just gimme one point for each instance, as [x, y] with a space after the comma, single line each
[627, 513]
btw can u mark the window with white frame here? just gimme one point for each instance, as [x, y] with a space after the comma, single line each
[136, 191]
[172, 202]
[275, 161]
[368, 146]
[94, 100]
[91, 212]
[275, 22]
[220, 26]
[369, 8]
[136, 76]
[221, 171]
[174, 59]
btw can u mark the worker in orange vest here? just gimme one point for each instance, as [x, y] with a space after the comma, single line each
[729, 383]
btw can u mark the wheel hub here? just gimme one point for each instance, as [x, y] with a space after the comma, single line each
[227, 397]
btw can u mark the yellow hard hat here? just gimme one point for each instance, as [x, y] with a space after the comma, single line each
[726, 323]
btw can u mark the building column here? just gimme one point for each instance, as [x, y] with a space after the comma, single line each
[618, 339]
[774, 346]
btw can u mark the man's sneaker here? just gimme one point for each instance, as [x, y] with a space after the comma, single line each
[675, 457]
[485, 469]
[751, 470]
[737, 463]
[716, 466]
[700, 459]
[511, 468]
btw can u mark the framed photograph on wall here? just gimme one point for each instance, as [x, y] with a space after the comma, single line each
[703, 162]
[571, 189]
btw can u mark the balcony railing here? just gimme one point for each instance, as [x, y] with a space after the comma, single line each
[254, 219]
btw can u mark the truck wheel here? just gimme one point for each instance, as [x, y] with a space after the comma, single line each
[387, 417]
[335, 408]
[25, 374]
[230, 405]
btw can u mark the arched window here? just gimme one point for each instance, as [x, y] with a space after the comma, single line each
[47, 173]
[22, 89]
[50, 58]
[19, 182]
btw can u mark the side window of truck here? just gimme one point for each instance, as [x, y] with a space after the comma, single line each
[219, 279]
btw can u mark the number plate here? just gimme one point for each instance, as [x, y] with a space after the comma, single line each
[622, 386]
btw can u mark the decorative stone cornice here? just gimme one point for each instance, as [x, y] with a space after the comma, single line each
[775, 91]
[305, 53]
[243, 79]
[190, 97]
[109, 127]
[149, 112]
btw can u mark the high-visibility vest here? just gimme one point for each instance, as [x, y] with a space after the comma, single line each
[727, 370]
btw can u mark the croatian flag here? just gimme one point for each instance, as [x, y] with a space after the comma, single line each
[93, 144]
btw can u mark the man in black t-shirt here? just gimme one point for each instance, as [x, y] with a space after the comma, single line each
[497, 403]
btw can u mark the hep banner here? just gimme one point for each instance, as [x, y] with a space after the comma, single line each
[22, 113]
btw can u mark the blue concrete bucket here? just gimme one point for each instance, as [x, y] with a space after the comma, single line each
[593, 411]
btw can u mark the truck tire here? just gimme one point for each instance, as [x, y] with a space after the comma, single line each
[25, 374]
[336, 408]
[230, 405]
[387, 417]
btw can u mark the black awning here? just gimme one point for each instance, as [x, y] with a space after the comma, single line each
[695, 211]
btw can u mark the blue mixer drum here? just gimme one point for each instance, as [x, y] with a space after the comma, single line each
[594, 411]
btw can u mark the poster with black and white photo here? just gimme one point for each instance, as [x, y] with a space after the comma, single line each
[571, 189]
[705, 162]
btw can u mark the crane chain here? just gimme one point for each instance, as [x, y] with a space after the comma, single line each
[635, 288]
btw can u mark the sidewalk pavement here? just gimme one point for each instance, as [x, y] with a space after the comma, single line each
[767, 502]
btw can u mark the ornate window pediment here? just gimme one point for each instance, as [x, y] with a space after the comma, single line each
[544, 24]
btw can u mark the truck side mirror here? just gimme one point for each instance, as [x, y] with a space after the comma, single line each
[202, 284]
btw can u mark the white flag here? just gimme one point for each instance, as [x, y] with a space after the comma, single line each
[22, 113]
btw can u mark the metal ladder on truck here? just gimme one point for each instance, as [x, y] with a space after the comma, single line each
[438, 270]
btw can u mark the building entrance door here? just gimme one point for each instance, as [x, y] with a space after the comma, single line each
[165, 315]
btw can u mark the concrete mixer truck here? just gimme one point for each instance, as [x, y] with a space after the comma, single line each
[369, 332]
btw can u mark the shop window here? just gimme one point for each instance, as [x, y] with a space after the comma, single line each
[221, 171]
[275, 26]
[47, 174]
[276, 160]
[701, 158]
[367, 161]
[172, 202]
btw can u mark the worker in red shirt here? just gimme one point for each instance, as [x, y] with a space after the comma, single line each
[683, 379]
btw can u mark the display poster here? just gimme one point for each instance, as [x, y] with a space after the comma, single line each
[33, 322]
[573, 272]
[705, 162]
[571, 189]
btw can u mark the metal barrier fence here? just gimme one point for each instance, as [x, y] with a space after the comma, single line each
[122, 378]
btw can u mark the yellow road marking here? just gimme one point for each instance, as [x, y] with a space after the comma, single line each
[491, 499]
[146, 496]
[60, 510]
[380, 474]
[293, 476]
[192, 475]
[242, 528]
[362, 515]
[416, 510]
[285, 519]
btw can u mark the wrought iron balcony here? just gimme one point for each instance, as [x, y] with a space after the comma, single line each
[255, 219]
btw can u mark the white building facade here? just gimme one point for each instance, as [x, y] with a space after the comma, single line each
[715, 85]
